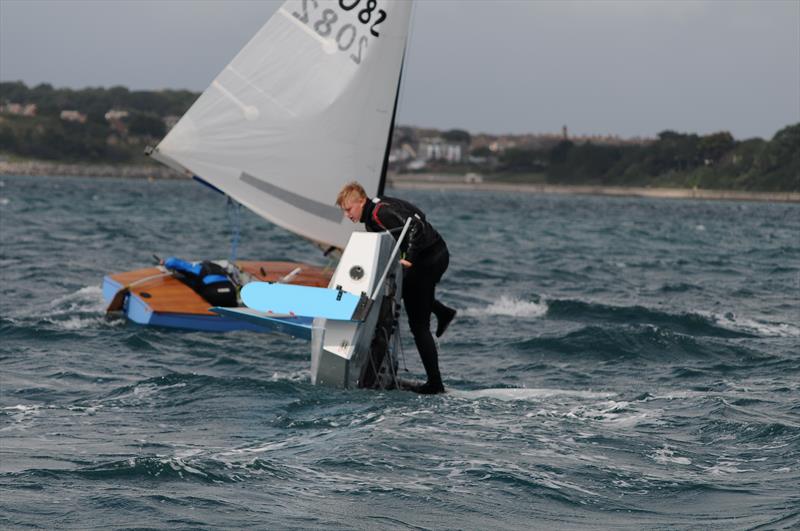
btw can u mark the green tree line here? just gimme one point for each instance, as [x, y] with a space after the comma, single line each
[46, 136]
[715, 161]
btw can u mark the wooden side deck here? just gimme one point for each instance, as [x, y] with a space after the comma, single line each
[166, 294]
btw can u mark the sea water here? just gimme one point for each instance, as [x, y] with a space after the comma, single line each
[616, 363]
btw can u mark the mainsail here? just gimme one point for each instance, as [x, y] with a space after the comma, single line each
[305, 107]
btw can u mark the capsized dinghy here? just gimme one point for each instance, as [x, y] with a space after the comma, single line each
[306, 106]
[155, 296]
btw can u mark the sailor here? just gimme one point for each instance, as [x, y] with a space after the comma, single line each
[424, 261]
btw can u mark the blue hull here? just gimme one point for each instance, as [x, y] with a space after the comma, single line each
[137, 310]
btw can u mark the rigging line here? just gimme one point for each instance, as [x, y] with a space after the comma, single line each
[399, 346]
[234, 219]
[391, 339]
[375, 371]
[390, 359]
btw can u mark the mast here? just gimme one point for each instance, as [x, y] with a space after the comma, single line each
[385, 168]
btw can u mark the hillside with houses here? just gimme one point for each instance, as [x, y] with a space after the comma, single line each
[97, 130]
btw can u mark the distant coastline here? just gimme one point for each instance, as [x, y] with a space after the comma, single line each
[104, 132]
[431, 183]
[38, 168]
[403, 182]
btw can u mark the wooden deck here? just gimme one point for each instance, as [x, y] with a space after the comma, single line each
[166, 294]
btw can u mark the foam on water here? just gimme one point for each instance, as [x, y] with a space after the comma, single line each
[509, 306]
[22, 412]
[87, 298]
[83, 309]
[525, 394]
[752, 326]
[294, 376]
[666, 455]
[84, 323]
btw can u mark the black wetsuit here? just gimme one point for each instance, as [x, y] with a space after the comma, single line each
[429, 257]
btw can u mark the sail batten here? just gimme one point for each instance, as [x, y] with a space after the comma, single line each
[315, 208]
[306, 106]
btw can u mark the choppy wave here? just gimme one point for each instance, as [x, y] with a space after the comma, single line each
[625, 343]
[698, 322]
[616, 367]
[691, 323]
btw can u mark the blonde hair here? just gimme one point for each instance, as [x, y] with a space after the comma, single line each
[352, 190]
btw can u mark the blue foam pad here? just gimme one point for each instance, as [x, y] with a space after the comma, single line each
[299, 300]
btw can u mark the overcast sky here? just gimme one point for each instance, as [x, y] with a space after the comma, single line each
[631, 68]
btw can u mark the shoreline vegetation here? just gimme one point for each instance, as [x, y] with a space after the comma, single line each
[42, 168]
[404, 182]
[103, 132]
[618, 191]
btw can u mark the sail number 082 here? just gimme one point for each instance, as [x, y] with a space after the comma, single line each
[365, 14]
[346, 35]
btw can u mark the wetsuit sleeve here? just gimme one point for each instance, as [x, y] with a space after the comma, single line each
[393, 217]
[414, 238]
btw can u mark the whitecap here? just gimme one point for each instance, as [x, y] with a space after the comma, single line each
[148, 389]
[68, 312]
[87, 294]
[177, 464]
[256, 449]
[88, 299]
[510, 306]
[526, 394]
[724, 468]
[81, 323]
[678, 395]
[294, 376]
[752, 326]
[23, 408]
[666, 455]
[21, 413]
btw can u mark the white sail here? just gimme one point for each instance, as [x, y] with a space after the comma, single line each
[305, 107]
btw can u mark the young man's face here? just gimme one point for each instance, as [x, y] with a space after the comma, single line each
[353, 207]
